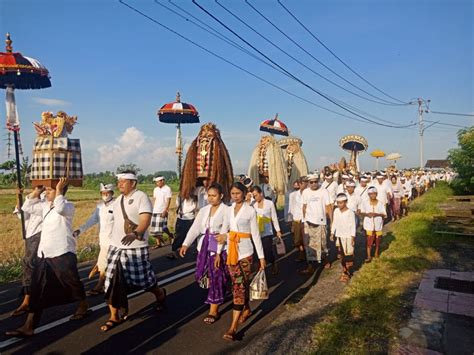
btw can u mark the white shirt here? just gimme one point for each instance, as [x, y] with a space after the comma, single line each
[188, 208]
[161, 196]
[343, 224]
[105, 219]
[295, 208]
[362, 192]
[268, 191]
[217, 224]
[373, 223]
[268, 210]
[316, 202]
[201, 194]
[136, 203]
[381, 192]
[397, 189]
[353, 201]
[332, 188]
[56, 236]
[33, 223]
[407, 189]
[246, 222]
[341, 188]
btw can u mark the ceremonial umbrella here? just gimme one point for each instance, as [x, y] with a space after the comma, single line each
[394, 157]
[19, 72]
[178, 113]
[356, 145]
[274, 126]
[377, 154]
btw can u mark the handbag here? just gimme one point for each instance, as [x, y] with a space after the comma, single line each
[259, 287]
[128, 225]
[204, 281]
[280, 247]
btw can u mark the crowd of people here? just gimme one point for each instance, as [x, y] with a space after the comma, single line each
[325, 210]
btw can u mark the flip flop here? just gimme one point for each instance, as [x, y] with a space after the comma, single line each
[17, 334]
[19, 312]
[229, 336]
[110, 324]
[244, 316]
[94, 292]
[211, 319]
[161, 305]
[80, 316]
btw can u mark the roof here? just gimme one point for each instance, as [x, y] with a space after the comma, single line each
[437, 163]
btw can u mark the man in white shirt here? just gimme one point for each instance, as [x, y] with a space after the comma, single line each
[317, 208]
[353, 200]
[383, 194]
[201, 193]
[344, 229]
[268, 191]
[185, 213]
[129, 264]
[33, 226]
[162, 200]
[295, 218]
[55, 278]
[330, 185]
[342, 186]
[105, 220]
[361, 190]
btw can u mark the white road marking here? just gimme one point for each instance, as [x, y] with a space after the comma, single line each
[54, 324]
[48, 326]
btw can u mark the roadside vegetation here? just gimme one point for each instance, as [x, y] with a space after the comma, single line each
[368, 316]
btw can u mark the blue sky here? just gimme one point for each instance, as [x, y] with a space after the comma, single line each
[114, 69]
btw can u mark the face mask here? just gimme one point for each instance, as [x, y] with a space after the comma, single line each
[107, 198]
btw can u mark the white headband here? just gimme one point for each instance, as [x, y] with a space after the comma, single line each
[108, 187]
[158, 178]
[350, 183]
[341, 197]
[344, 176]
[372, 189]
[127, 176]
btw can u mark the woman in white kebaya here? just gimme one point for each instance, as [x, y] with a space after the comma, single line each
[210, 221]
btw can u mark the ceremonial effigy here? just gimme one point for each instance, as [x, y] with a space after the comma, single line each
[267, 160]
[207, 158]
[55, 155]
[296, 165]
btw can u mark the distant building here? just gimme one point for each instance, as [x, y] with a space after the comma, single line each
[437, 164]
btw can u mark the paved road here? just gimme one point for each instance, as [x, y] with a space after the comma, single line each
[179, 329]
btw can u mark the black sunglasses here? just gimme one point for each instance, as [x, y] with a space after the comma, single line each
[313, 182]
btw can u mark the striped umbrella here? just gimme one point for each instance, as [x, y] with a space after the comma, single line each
[178, 112]
[19, 72]
[274, 126]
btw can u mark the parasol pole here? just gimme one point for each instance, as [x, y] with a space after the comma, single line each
[13, 124]
[377, 163]
[179, 149]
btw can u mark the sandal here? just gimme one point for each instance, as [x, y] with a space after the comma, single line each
[124, 315]
[110, 324]
[161, 305]
[18, 334]
[229, 336]
[19, 312]
[80, 316]
[368, 260]
[211, 319]
[94, 292]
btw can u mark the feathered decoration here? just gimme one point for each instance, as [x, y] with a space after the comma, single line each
[267, 160]
[207, 157]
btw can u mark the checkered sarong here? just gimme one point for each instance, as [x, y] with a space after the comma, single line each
[136, 266]
[158, 223]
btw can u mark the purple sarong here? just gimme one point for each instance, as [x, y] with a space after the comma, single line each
[217, 277]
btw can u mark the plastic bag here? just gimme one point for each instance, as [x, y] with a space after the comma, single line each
[204, 281]
[280, 247]
[259, 287]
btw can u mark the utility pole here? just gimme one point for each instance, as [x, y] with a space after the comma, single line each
[422, 108]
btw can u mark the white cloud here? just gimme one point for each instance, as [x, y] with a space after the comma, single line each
[133, 146]
[51, 102]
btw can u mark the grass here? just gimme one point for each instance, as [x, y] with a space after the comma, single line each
[11, 242]
[368, 316]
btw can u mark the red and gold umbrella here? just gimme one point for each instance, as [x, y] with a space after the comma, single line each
[19, 72]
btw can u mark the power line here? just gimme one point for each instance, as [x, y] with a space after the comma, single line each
[236, 65]
[293, 57]
[226, 39]
[335, 55]
[452, 113]
[385, 102]
[293, 76]
[447, 124]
